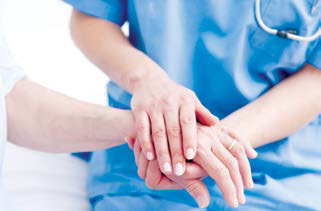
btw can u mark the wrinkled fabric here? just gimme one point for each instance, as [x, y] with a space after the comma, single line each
[217, 49]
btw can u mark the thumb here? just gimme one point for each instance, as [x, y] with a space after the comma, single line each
[198, 191]
[204, 116]
[130, 141]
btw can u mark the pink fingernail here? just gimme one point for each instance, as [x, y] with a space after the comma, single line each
[149, 156]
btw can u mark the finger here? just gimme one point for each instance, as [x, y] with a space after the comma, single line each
[232, 165]
[160, 142]
[194, 171]
[189, 129]
[143, 134]
[130, 141]
[197, 189]
[251, 153]
[203, 115]
[137, 150]
[155, 180]
[220, 174]
[237, 150]
[142, 166]
[175, 142]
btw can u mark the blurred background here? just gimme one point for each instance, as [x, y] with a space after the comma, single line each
[37, 33]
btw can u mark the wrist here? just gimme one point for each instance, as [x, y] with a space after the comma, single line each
[114, 125]
[146, 72]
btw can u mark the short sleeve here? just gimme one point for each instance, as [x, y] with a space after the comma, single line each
[315, 56]
[111, 10]
[10, 72]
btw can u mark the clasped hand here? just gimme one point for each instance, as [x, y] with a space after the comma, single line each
[221, 154]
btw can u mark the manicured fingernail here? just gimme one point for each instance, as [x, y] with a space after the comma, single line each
[190, 153]
[149, 156]
[201, 202]
[179, 171]
[167, 167]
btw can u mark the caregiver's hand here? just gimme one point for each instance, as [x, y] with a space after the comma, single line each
[169, 112]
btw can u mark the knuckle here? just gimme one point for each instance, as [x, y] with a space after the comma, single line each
[151, 185]
[239, 149]
[139, 107]
[167, 101]
[141, 127]
[174, 131]
[193, 188]
[185, 98]
[177, 156]
[232, 163]
[223, 173]
[163, 156]
[158, 133]
[189, 119]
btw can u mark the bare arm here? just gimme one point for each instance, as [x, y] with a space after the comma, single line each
[281, 111]
[105, 44]
[158, 104]
[44, 120]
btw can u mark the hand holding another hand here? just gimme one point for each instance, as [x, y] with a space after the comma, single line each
[229, 168]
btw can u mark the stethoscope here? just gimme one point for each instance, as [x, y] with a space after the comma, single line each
[289, 34]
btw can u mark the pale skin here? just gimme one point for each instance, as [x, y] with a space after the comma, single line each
[171, 117]
[44, 120]
[297, 100]
[107, 47]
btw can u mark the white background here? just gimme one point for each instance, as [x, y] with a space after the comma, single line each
[38, 35]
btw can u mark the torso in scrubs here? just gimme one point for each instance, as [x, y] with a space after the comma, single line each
[217, 49]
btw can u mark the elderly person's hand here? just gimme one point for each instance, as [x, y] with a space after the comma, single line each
[170, 111]
[222, 155]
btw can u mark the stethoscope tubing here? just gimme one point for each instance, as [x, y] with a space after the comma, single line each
[282, 33]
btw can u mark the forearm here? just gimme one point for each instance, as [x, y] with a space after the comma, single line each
[281, 111]
[48, 121]
[108, 48]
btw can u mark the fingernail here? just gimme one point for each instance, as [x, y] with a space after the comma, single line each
[235, 204]
[190, 153]
[149, 156]
[251, 184]
[167, 167]
[179, 171]
[254, 153]
[242, 200]
[201, 202]
[126, 139]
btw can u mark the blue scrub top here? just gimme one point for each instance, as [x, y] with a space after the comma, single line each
[217, 49]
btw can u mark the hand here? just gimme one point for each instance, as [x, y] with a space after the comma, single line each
[155, 180]
[170, 111]
[229, 168]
